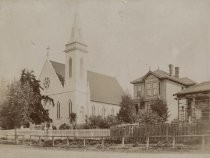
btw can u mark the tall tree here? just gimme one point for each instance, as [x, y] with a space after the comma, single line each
[23, 104]
[127, 112]
[37, 113]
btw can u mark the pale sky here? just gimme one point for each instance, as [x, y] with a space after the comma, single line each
[124, 38]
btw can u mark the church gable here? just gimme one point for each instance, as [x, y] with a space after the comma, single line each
[49, 79]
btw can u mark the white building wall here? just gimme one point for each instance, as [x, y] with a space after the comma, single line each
[55, 84]
[99, 106]
[63, 99]
[171, 89]
[79, 96]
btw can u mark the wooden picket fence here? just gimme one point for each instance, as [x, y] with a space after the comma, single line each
[174, 129]
[27, 133]
[170, 133]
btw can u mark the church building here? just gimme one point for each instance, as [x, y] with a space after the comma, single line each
[74, 89]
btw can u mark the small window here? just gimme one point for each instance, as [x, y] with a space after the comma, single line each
[142, 106]
[93, 110]
[58, 110]
[149, 89]
[182, 108]
[112, 111]
[70, 68]
[149, 85]
[138, 91]
[155, 85]
[154, 91]
[149, 92]
[70, 108]
[81, 67]
[82, 110]
[103, 112]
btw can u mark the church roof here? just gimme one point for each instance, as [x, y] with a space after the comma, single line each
[164, 75]
[103, 88]
[60, 70]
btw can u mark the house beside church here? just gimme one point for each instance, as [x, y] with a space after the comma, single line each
[75, 89]
[161, 85]
[194, 103]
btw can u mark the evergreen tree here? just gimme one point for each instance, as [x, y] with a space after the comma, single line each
[23, 103]
[127, 110]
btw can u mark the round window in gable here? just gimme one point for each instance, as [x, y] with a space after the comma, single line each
[46, 82]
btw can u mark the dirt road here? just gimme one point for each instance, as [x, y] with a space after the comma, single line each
[12, 151]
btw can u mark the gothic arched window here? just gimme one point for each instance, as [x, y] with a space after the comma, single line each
[81, 67]
[70, 108]
[70, 68]
[112, 111]
[82, 113]
[103, 112]
[93, 110]
[58, 110]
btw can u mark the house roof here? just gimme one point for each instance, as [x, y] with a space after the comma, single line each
[201, 87]
[164, 75]
[103, 88]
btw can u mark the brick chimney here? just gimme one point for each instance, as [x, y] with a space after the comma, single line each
[177, 72]
[171, 68]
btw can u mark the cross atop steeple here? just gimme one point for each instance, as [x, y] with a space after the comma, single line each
[48, 51]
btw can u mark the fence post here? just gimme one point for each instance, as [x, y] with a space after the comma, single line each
[203, 142]
[30, 140]
[53, 143]
[166, 132]
[16, 139]
[67, 141]
[39, 140]
[123, 141]
[102, 141]
[84, 142]
[173, 143]
[23, 139]
[147, 143]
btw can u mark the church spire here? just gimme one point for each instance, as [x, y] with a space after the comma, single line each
[76, 42]
[76, 30]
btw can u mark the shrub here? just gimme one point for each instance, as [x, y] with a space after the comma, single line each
[99, 122]
[161, 109]
[64, 126]
[149, 118]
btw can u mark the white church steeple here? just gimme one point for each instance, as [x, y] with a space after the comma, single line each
[76, 52]
[76, 35]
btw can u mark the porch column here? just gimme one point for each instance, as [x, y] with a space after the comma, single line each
[193, 110]
[209, 106]
[178, 110]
